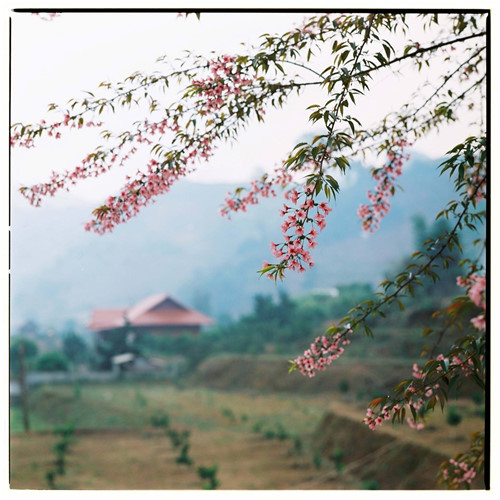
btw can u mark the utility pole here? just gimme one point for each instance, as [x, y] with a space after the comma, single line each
[22, 384]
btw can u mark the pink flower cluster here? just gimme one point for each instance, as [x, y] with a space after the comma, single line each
[322, 352]
[372, 419]
[259, 188]
[308, 29]
[53, 130]
[418, 393]
[101, 161]
[133, 196]
[459, 472]
[477, 186]
[140, 191]
[224, 80]
[476, 289]
[302, 221]
[379, 206]
[299, 229]
[46, 16]
[466, 365]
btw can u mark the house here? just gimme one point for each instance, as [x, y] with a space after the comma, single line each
[158, 314]
[118, 329]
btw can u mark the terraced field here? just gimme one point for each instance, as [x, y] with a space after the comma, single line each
[257, 440]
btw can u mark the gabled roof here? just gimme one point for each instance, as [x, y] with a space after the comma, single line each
[155, 311]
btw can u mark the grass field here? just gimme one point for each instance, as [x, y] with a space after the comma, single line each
[257, 441]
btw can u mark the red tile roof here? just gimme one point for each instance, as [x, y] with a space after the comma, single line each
[106, 319]
[154, 311]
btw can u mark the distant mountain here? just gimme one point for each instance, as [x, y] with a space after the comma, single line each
[181, 245]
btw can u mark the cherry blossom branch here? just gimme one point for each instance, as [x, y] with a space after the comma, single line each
[312, 361]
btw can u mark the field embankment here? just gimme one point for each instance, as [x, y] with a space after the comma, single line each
[269, 374]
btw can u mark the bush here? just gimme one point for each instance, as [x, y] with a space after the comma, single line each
[317, 460]
[454, 417]
[281, 433]
[257, 427]
[344, 386]
[160, 419]
[297, 445]
[210, 474]
[337, 456]
[75, 348]
[53, 361]
[227, 412]
[184, 457]
[370, 484]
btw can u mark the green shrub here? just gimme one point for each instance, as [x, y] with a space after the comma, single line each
[227, 412]
[370, 484]
[50, 476]
[257, 427]
[344, 386]
[53, 361]
[281, 433]
[337, 456]
[477, 397]
[210, 474]
[175, 437]
[270, 434]
[297, 445]
[454, 417]
[160, 419]
[184, 457]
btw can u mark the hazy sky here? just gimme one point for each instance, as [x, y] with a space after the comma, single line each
[53, 61]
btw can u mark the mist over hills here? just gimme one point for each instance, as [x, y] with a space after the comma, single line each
[180, 245]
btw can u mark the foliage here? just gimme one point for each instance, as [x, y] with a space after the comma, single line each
[298, 445]
[227, 412]
[218, 98]
[454, 417]
[74, 347]
[53, 361]
[30, 353]
[370, 485]
[317, 460]
[184, 457]
[337, 456]
[209, 473]
[160, 419]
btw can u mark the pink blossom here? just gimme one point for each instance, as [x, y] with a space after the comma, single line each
[479, 322]
[386, 177]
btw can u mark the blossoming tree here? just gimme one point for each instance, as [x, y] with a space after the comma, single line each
[219, 96]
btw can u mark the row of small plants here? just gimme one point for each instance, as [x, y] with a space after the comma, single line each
[180, 442]
[61, 449]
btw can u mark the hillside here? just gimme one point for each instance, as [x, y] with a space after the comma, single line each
[182, 246]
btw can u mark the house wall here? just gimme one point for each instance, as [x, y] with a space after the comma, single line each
[171, 330]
